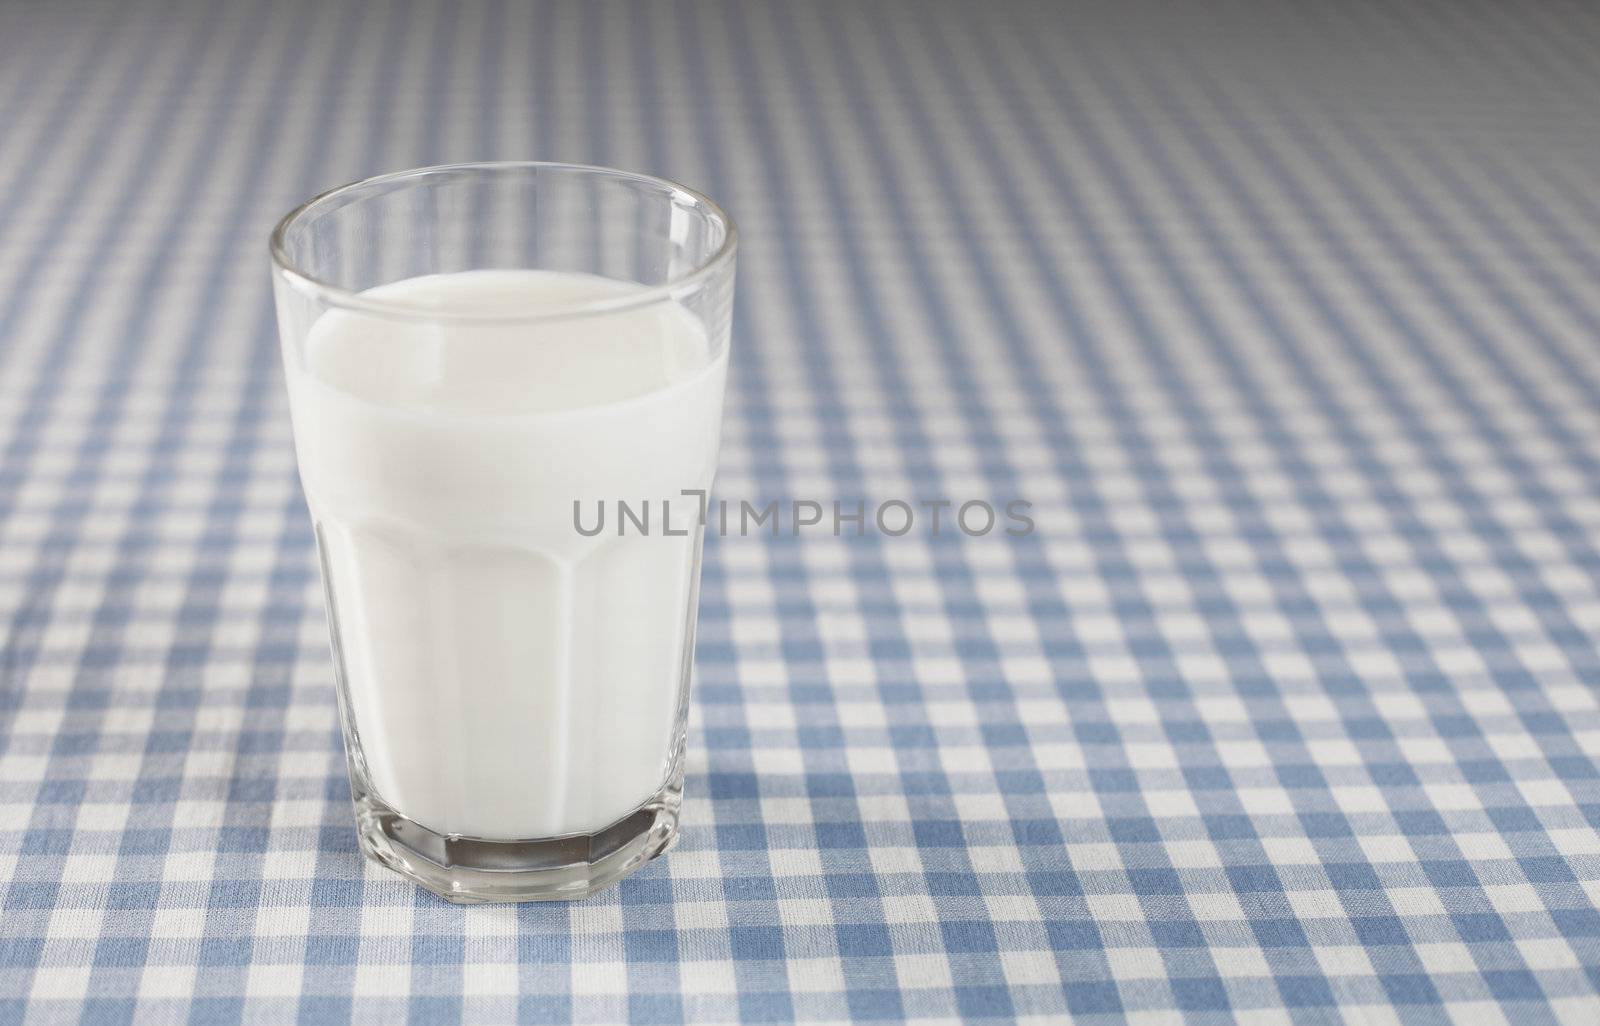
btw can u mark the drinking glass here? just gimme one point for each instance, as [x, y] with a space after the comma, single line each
[506, 384]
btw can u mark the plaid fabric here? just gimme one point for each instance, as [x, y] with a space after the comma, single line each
[1284, 318]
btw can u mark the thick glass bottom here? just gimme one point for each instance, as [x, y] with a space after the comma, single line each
[471, 870]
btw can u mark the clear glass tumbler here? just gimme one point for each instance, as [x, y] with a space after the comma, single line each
[506, 385]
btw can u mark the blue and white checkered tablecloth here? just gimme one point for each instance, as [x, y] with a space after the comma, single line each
[1286, 319]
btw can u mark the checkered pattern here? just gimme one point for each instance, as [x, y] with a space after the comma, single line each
[1283, 316]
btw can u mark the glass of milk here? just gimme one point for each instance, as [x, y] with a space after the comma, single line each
[481, 359]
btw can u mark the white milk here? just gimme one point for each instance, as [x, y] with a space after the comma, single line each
[508, 677]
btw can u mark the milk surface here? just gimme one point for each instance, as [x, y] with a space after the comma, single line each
[508, 678]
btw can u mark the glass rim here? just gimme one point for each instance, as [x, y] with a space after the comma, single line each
[350, 299]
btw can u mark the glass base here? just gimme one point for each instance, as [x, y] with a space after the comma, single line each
[470, 870]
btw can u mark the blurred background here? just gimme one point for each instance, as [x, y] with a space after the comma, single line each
[1284, 316]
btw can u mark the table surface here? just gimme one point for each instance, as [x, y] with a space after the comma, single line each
[1284, 319]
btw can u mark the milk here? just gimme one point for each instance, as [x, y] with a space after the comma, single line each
[505, 676]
